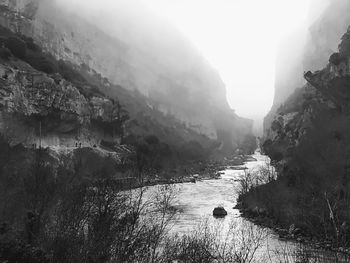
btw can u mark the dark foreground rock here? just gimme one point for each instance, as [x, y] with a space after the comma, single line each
[219, 212]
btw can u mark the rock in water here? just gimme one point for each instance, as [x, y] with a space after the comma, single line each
[219, 212]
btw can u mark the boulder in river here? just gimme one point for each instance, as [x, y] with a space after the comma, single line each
[219, 212]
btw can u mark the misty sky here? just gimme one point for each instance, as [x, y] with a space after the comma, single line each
[240, 38]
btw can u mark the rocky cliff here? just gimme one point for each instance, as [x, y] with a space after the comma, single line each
[174, 77]
[309, 144]
[324, 100]
[322, 40]
[40, 109]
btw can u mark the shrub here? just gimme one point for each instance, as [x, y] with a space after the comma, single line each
[208, 243]
[30, 44]
[69, 73]
[276, 126]
[344, 47]
[46, 66]
[152, 139]
[18, 251]
[192, 150]
[41, 63]
[17, 47]
[336, 59]
[89, 91]
[5, 53]
[98, 223]
[5, 32]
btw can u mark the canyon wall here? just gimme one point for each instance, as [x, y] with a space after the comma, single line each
[294, 59]
[162, 65]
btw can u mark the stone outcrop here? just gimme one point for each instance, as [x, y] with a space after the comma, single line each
[177, 81]
[34, 104]
[308, 142]
[324, 99]
[219, 212]
[322, 41]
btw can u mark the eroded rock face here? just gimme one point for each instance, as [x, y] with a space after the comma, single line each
[178, 81]
[32, 103]
[322, 40]
[320, 108]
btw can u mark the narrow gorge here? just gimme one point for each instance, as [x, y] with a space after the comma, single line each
[130, 131]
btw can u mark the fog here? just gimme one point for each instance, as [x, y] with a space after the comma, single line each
[245, 40]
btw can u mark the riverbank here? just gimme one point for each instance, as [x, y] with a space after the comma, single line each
[254, 206]
[199, 171]
[291, 233]
[197, 201]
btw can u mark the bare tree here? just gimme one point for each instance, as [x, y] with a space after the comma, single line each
[216, 244]
[98, 222]
[291, 253]
[252, 178]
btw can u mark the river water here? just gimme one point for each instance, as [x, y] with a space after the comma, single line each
[196, 201]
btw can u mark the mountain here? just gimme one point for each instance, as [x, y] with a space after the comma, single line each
[89, 109]
[312, 54]
[308, 140]
[162, 66]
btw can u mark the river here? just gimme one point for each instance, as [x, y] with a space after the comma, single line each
[196, 201]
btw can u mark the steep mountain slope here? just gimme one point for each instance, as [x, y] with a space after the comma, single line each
[322, 40]
[171, 74]
[309, 144]
[49, 103]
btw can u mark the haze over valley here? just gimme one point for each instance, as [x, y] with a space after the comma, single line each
[174, 131]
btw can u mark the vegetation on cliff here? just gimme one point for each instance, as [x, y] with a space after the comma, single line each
[309, 144]
[71, 143]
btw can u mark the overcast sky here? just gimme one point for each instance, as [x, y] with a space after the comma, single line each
[240, 38]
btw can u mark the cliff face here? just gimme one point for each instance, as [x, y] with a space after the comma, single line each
[324, 35]
[319, 109]
[309, 144]
[37, 108]
[175, 78]
[322, 40]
